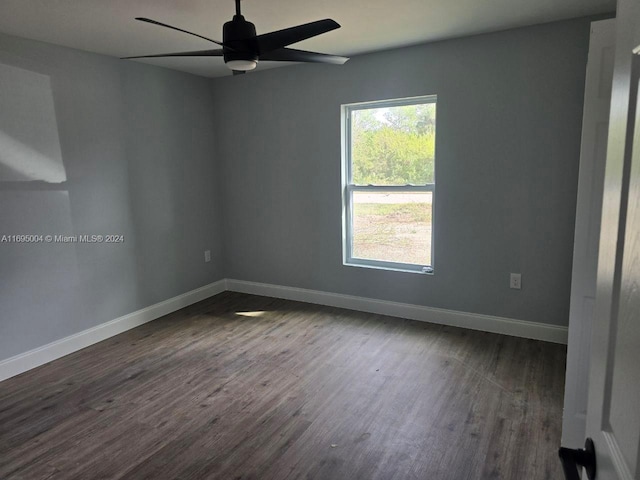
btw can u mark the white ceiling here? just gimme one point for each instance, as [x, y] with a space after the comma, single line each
[108, 26]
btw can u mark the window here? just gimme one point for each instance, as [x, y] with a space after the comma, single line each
[389, 183]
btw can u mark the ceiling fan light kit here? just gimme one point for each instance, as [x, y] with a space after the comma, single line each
[241, 65]
[242, 48]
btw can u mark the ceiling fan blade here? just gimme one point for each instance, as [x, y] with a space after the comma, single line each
[155, 22]
[281, 38]
[293, 55]
[238, 72]
[198, 53]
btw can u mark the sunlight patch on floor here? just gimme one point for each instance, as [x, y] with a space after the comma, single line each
[257, 313]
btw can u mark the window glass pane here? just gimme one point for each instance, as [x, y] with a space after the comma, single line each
[392, 227]
[393, 145]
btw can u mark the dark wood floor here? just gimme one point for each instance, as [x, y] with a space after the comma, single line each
[246, 387]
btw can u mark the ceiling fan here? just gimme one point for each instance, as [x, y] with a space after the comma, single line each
[242, 48]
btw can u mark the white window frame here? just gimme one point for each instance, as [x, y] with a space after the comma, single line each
[348, 188]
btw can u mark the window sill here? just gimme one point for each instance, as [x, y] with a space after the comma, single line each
[418, 270]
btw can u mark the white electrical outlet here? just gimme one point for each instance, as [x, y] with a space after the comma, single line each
[516, 281]
[207, 256]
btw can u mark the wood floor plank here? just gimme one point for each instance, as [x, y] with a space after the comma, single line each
[247, 387]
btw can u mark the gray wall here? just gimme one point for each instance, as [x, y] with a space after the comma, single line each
[95, 145]
[508, 138]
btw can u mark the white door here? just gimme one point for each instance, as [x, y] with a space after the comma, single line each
[593, 156]
[613, 411]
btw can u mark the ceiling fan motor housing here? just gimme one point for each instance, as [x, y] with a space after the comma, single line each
[240, 35]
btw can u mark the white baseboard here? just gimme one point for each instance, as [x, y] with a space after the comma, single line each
[39, 356]
[487, 323]
[473, 321]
